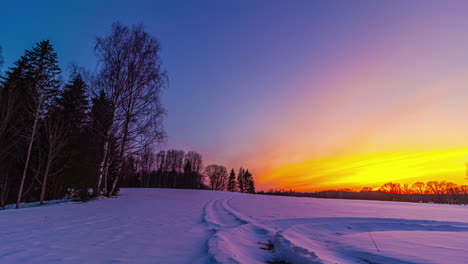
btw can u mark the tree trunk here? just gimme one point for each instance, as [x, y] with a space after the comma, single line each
[4, 192]
[28, 155]
[121, 156]
[101, 168]
[44, 183]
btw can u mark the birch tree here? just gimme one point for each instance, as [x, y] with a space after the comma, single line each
[129, 71]
[56, 133]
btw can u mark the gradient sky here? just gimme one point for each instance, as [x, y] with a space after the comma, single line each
[307, 94]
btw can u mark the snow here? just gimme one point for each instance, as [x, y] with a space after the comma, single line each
[194, 226]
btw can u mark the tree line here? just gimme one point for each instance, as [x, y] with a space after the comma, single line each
[181, 170]
[87, 136]
[432, 191]
[431, 187]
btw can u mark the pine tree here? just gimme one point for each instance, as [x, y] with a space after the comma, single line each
[41, 79]
[74, 104]
[232, 181]
[249, 186]
[240, 180]
[79, 172]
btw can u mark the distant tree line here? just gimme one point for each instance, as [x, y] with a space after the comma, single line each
[430, 192]
[177, 169]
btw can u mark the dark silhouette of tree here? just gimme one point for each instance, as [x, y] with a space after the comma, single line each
[41, 74]
[80, 159]
[240, 180]
[250, 185]
[193, 171]
[232, 181]
[101, 124]
[57, 135]
[366, 189]
[418, 187]
[217, 176]
[129, 71]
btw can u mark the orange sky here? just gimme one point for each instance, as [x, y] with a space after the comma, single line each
[399, 117]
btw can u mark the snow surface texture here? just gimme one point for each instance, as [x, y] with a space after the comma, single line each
[192, 226]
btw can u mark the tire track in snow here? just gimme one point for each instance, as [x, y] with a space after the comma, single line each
[217, 216]
[234, 237]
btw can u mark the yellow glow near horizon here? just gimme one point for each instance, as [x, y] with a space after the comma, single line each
[372, 170]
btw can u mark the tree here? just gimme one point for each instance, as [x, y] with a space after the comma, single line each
[366, 189]
[102, 113]
[57, 135]
[196, 164]
[250, 185]
[129, 71]
[42, 82]
[14, 118]
[79, 159]
[390, 187]
[419, 186]
[218, 177]
[175, 164]
[240, 180]
[232, 181]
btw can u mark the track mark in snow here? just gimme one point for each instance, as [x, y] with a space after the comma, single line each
[234, 236]
[218, 216]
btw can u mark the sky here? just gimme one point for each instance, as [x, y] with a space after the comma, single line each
[309, 95]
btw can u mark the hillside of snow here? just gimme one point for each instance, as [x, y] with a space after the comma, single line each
[194, 226]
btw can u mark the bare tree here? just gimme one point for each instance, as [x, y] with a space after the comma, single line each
[196, 163]
[418, 186]
[56, 140]
[131, 75]
[218, 177]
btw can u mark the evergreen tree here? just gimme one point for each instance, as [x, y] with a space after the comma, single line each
[249, 186]
[41, 80]
[74, 104]
[232, 181]
[240, 180]
[79, 172]
[14, 120]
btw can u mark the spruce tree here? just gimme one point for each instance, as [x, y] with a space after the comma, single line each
[240, 180]
[41, 80]
[249, 182]
[232, 181]
[79, 172]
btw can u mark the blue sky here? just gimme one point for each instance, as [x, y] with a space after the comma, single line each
[268, 84]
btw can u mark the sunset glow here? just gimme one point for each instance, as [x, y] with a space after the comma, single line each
[308, 95]
[371, 170]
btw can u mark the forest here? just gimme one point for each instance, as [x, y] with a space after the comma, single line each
[97, 131]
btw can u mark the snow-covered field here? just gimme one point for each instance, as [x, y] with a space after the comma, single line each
[191, 226]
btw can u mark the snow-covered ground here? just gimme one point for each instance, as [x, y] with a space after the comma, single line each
[191, 226]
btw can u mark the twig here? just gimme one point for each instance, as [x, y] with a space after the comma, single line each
[374, 242]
